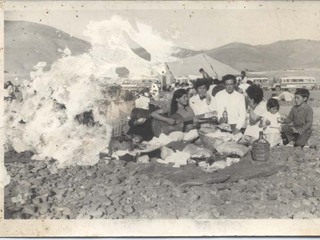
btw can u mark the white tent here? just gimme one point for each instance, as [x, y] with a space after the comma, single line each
[189, 67]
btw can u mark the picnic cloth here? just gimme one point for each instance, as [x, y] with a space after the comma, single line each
[192, 175]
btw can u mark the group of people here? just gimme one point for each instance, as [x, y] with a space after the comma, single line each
[244, 109]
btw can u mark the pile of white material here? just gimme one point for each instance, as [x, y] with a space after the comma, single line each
[47, 120]
[218, 164]
[226, 143]
[164, 139]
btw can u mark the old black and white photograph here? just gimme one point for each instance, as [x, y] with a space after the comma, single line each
[162, 110]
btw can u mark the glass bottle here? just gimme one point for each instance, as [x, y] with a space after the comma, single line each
[260, 148]
[225, 115]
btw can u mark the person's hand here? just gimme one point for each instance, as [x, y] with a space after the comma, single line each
[251, 103]
[192, 92]
[139, 121]
[295, 130]
[208, 97]
[222, 120]
[235, 131]
[171, 121]
[268, 122]
[261, 124]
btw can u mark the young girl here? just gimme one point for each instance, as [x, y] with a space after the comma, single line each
[271, 123]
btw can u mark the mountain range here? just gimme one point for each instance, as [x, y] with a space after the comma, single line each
[27, 43]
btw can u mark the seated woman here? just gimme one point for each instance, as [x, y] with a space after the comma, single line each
[257, 109]
[201, 102]
[178, 118]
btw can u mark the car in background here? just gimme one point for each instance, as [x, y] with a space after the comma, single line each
[294, 82]
[262, 82]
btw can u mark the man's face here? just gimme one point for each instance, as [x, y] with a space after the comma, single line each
[229, 84]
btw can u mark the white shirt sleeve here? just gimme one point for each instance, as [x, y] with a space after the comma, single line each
[192, 103]
[212, 105]
[217, 105]
[242, 112]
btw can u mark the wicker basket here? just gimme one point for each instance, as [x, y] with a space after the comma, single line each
[207, 141]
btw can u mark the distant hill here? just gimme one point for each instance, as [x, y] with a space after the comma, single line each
[27, 43]
[287, 54]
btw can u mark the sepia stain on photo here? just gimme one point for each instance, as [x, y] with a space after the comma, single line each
[185, 112]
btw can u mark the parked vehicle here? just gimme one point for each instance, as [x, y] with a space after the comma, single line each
[294, 82]
[263, 82]
[138, 84]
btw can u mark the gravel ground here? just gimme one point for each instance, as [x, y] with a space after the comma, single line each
[115, 190]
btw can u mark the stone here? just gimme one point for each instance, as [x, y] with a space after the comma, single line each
[224, 197]
[314, 201]
[43, 208]
[306, 202]
[66, 211]
[134, 215]
[296, 204]
[107, 202]
[110, 210]
[273, 196]
[128, 209]
[96, 214]
[44, 192]
[29, 210]
[303, 215]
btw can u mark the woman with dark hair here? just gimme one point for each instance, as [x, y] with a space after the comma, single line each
[257, 108]
[178, 118]
[201, 102]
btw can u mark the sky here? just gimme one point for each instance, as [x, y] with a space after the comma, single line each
[197, 27]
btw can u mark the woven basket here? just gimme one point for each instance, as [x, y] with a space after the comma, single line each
[207, 141]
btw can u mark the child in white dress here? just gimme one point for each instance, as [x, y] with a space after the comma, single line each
[271, 123]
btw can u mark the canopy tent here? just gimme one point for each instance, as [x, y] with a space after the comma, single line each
[190, 67]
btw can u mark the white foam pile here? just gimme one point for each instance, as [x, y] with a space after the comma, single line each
[66, 112]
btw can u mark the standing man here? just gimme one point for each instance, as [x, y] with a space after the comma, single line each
[205, 75]
[244, 78]
[232, 102]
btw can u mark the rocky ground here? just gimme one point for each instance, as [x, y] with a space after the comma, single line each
[119, 190]
[116, 190]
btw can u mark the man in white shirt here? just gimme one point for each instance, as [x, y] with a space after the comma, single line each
[201, 103]
[233, 102]
[244, 78]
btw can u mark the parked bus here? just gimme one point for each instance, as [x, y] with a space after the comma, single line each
[138, 84]
[294, 82]
[263, 82]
